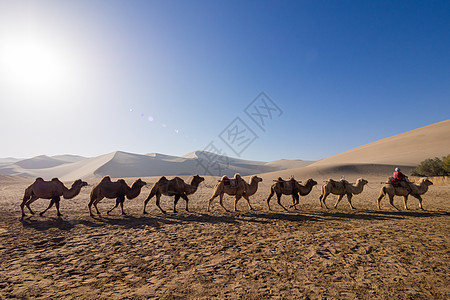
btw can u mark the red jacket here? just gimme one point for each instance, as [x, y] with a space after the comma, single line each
[399, 175]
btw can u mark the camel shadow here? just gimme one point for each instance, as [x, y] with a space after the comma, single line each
[126, 221]
[409, 213]
[357, 216]
[267, 217]
[236, 217]
[47, 223]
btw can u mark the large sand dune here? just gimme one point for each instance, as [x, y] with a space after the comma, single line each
[122, 164]
[378, 159]
[374, 160]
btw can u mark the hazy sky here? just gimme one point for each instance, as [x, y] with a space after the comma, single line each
[92, 77]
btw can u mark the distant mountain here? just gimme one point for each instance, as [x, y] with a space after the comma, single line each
[123, 164]
[39, 162]
[8, 160]
[69, 158]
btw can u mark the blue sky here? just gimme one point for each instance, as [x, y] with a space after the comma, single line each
[92, 77]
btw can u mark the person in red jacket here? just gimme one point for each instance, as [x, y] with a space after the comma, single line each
[398, 175]
[402, 179]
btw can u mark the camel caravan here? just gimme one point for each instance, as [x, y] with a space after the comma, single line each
[236, 187]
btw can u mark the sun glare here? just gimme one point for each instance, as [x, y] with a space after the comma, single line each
[33, 64]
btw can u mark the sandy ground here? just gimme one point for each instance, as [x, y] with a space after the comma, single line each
[312, 253]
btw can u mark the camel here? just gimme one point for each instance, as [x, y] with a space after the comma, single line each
[174, 187]
[250, 190]
[416, 190]
[290, 187]
[53, 190]
[118, 189]
[341, 188]
[233, 187]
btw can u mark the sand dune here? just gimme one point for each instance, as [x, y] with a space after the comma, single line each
[377, 160]
[374, 160]
[406, 149]
[123, 164]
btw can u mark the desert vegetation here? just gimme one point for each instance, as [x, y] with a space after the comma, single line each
[433, 167]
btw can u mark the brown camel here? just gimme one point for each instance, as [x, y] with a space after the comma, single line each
[415, 190]
[290, 187]
[118, 189]
[53, 190]
[250, 190]
[174, 187]
[341, 188]
[234, 187]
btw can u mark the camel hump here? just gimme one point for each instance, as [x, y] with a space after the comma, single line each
[106, 178]
[224, 177]
[237, 176]
[39, 179]
[55, 179]
[163, 179]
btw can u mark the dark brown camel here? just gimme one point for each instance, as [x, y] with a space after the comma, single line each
[118, 189]
[174, 187]
[53, 190]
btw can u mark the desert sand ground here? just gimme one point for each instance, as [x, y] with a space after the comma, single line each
[312, 253]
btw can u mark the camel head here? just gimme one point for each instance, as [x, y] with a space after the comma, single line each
[79, 183]
[311, 182]
[255, 178]
[197, 179]
[425, 181]
[139, 183]
[362, 181]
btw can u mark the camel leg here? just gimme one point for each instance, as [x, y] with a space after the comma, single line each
[268, 199]
[158, 198]
[22, 205]
[221, 202]
[210, 201]
[150, 196]
[248, 201]
[93, 201]
[117, 204]
[57, 205]
[122, 200]
[323, 200]
[381, 196]
[339, 200]
[349, 198]
[95, 204]
[405, 200]
[184, 196]
[279, 202]
[175, 201]
[420, 200]
[236, 199]
[28, 202]
[295, 200]
[52, 201]
[391, 201]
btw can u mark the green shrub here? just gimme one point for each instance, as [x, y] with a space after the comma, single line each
[446, 162]
[433, 167]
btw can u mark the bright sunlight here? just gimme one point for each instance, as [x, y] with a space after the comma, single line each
[33, 64]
